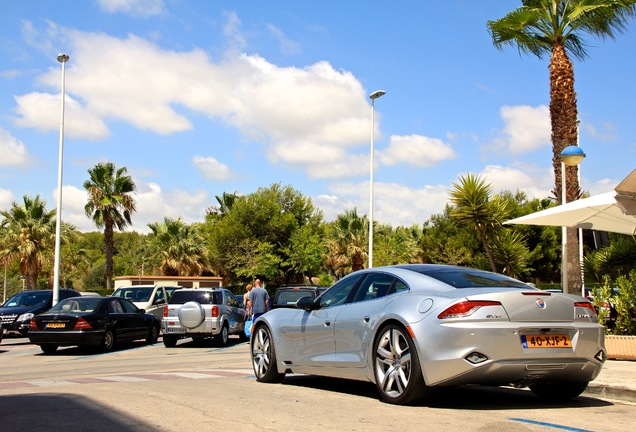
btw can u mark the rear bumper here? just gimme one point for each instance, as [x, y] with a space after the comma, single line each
[89, 338]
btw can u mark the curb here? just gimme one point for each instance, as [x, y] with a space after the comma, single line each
[611, 392]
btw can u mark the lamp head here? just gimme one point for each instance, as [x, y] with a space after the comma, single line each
[376, 94]
[572, 155]
[62, 58]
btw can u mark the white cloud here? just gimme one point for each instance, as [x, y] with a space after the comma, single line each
[13, 150]
[394, 204]
[536, 182]
[133, 80]
[286, 45]
[133, 7]
[416, 150]
[211, 168]
[525, 129]
[6, 199]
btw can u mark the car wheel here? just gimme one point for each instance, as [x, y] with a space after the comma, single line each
[153, 335]
[222, 338]
[48, 348]
[170, 341]
[396, 365]
[558, 390]
[108, 342]
[264, 356]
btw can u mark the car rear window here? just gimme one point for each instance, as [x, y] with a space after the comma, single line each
[291, 296]
[201, 297]
[471, 278]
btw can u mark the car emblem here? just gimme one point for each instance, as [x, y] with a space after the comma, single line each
[540, 304]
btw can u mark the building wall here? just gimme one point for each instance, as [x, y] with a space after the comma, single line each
[184, 281]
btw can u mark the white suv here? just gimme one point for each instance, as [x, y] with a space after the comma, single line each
[202, 313]
[151, 298]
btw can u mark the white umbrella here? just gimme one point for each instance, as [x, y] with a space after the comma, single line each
[612, 211]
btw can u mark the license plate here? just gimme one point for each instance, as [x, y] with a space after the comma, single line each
[546, 341]
[55, 325]
[176, 330]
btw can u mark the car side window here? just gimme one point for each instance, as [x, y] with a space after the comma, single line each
[129, 307]
[114, 307]
[374, 285]
[230, 300]
[159, 296]
[338, 294]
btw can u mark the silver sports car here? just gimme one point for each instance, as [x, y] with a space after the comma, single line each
[411, 328]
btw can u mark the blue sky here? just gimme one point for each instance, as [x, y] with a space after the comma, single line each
[197, 97]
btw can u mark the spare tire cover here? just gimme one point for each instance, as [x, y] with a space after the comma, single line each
[191, 315]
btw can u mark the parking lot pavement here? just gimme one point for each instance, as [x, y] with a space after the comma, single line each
[617, 380]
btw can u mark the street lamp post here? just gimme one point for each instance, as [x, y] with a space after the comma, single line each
[571, 156]
[376, 94]
[62, 58]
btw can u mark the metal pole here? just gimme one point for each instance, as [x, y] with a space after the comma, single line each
[376, 94]
[62, 58]
[564, 237]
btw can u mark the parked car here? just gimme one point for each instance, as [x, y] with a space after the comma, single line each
[287, 295]
[412, 328]
[202, 313]
[90, 321]
[17, 312]
[151, 298]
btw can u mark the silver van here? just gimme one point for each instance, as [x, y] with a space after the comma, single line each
[151, 298]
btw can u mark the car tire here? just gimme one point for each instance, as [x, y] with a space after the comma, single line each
[396, 366]
[222, 338]
[264, 356]
[558, 390]
[191, 315]
[153, 335]
[48, 348]
[170, 341]
[108, 342]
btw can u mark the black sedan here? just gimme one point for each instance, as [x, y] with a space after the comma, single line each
[92, 322]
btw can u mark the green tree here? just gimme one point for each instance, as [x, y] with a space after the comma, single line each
[349, 241]
[394, 245]
[473, 206]
[110, 204]
[181, 247]
[29, 236]
[557, 28]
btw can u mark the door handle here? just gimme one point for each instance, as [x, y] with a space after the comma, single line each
[327, 323]
[366, 319]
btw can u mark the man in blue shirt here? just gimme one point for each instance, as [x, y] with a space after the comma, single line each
[257, 300]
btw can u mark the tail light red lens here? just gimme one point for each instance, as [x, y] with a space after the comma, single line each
[165, 311]
[586, 305]
[32, 324]
[215, 311]
[82, 324]
[465, 308]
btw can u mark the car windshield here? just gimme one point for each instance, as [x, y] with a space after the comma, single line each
[77, 305]
[469, 278]
[29, 298]
[134, 294]
[201, 297]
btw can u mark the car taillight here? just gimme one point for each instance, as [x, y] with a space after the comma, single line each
[32, 324]
[586, 305]
[165, 311]
[82, 324]
[465, 308]
[215, 311]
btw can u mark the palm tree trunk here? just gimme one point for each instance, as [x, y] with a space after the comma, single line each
[563, 118]
[109, 251]
[491, 260]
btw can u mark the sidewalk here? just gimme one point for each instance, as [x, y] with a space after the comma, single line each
[617, 380]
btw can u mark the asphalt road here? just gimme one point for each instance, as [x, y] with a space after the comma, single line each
[203, 388]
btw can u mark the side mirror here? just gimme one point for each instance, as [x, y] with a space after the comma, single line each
[306, 303]
[142, 311]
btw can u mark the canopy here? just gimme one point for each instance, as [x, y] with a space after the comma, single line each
[611, 211]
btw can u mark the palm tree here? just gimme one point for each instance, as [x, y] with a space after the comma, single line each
[556, 27]
[109, 204]
[29, 235]
[473, 206]
[348, 241]
[181, 247]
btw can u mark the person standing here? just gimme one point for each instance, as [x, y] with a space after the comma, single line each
[257, 300]
[248, 288]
